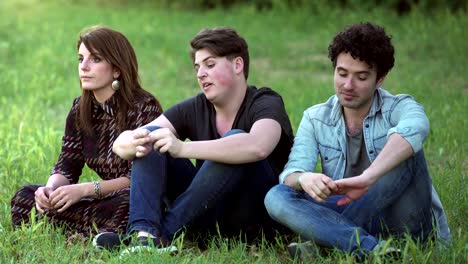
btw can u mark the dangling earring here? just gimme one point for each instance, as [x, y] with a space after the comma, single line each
[115, 85]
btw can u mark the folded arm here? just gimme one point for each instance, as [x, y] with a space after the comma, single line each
[410, 129]
[396, 150]
[304, 153]
[298, 172]
[235, 149]
[59, 194]
[137, 143]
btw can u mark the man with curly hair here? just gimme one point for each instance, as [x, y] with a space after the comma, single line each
[374, 181]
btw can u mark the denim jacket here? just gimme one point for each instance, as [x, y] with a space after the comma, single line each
[322, 133]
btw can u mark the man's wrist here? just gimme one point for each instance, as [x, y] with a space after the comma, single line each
[184, 150]
[370, 176]
[293, 180]
[298, 179]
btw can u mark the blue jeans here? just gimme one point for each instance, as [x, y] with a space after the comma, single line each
[168, 194]
[399, 202]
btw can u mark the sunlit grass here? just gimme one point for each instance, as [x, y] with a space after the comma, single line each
[38, 80]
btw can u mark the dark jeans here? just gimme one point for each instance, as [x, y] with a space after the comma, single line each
[168, 194]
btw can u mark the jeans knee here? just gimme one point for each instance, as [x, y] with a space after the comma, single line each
[276, 201]
[151, 159]
[233, 132]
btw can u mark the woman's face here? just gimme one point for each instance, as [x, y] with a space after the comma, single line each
[95, 72]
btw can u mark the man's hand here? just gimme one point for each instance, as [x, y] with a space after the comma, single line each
[131, 144]
[142, 142]
[165, 141]
[65, 196]
[41, 196]
[317, 185]
[353, 188]
[395, 151]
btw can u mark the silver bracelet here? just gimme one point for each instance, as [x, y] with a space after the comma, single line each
[97, 189]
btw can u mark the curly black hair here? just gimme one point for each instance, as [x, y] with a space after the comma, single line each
[367, 42]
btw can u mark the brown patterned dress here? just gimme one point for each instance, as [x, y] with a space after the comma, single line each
[88, 216]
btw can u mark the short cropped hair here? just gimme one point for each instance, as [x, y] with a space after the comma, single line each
[222, 42]
[367, 42]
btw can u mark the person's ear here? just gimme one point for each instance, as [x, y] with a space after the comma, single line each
[116, 73]
[238, 65]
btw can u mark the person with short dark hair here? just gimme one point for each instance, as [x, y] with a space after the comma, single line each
[374, 180]
[112, 101]
[240, 137]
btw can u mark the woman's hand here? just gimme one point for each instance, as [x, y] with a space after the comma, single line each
[65, 196]
[41, 196]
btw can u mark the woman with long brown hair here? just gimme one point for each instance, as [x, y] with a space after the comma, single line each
[112, 101]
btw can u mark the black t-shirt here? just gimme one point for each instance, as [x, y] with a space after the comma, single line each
[195, 119]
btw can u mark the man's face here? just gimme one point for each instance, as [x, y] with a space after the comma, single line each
[216, 75]
[355, 82]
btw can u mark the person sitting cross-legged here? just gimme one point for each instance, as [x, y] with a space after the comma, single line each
[111, 102]
[374, 180]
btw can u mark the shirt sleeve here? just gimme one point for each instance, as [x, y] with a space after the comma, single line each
[182, 117]
[304, 153]
[269, 106]
[146, 112]
[71, 161]
[409, 121]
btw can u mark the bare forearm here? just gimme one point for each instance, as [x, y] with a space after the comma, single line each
[110, 186]
[395, 151]
[106, 187]
[235, 149]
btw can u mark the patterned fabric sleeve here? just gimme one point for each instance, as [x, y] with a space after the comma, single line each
[71, 161]
[146, 111]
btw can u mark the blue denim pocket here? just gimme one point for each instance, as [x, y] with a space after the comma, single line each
[330, 157]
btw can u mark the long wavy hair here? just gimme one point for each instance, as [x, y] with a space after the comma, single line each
[115, 48]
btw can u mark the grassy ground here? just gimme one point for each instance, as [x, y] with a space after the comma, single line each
[38, 80]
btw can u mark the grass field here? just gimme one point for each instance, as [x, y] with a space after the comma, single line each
[38, 81]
